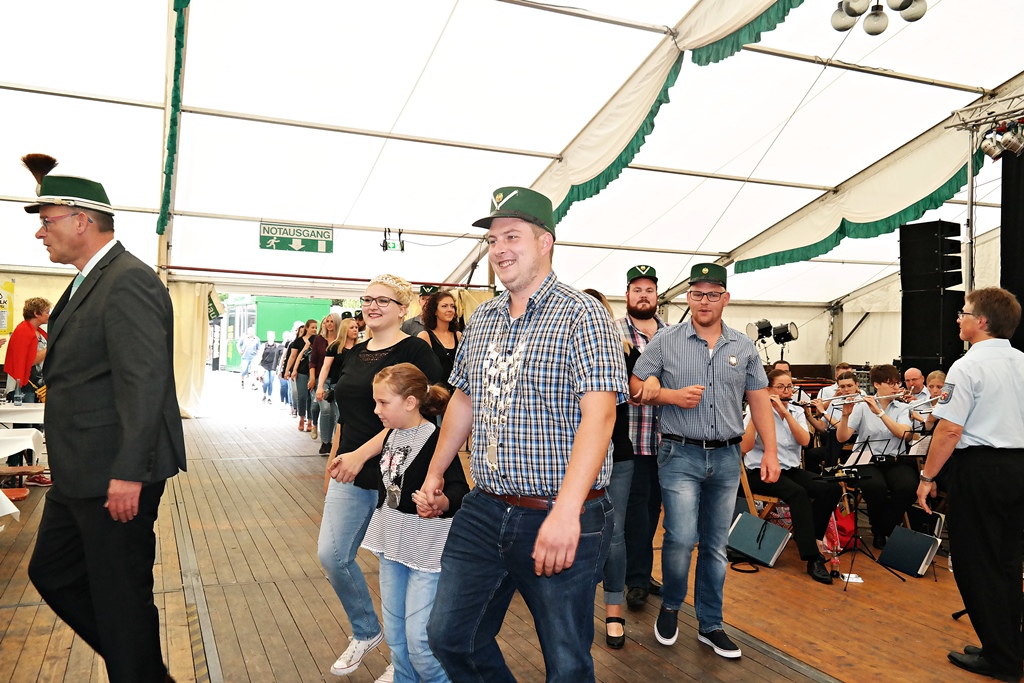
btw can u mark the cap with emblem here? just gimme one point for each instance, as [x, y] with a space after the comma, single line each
[708, 272]
[63, 190]
[522, 203]
[427, 290]
[345, 315]
[637, 272]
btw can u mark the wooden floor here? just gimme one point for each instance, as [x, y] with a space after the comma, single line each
[242, 596]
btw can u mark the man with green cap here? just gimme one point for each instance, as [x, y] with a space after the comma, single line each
[113, 430]
[414, 325]
[706, 369]
[536, 380]
[639, 326]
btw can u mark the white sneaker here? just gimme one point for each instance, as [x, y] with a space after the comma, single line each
[388, 676]
[353, 655]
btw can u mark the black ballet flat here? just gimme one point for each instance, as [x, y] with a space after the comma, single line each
[615, 642]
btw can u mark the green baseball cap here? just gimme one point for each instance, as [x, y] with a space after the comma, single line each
[708, 272]
[428, 290]
[522, 203]
[637, 272]
[71, 191]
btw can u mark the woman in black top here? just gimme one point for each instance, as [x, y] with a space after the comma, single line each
[355, 472]
[298, 371]
[618, 493]
[441, 330]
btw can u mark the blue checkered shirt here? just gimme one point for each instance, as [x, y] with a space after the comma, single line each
[679, 358]
[566, 345]
[643, 420]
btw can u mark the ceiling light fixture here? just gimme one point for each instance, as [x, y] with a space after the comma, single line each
[848, 11]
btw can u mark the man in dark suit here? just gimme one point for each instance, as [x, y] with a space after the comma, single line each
[113, 431]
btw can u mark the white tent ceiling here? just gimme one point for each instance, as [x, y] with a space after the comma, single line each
[490, 76]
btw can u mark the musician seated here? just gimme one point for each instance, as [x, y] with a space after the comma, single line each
[882, 424]
[824, 416]
[811, 501]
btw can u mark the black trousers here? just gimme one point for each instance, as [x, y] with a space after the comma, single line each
[97, 575]
[642, 513]
[889, 488]
[985, 515]
[811, 503]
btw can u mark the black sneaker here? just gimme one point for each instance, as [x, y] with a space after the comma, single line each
[325, 449]
[666, 628]
[720, 643]
[636, 597]
[655, 587]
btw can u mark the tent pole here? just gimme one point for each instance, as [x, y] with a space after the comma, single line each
[164, 242]
[969, 244]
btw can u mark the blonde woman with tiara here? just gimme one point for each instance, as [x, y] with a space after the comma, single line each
[353, 470]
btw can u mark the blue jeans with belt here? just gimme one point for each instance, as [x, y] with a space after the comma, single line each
[486, 559]
[698, 489]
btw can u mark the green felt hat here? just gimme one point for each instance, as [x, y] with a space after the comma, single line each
[708, 272]
[637, 272]
[427, 290]
[522, 203]
[65, 190]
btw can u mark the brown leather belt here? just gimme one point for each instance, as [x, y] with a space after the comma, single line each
[536, 502]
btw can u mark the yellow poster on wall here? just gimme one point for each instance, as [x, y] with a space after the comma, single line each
[6, 306]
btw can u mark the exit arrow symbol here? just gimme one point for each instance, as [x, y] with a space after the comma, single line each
[296, 244]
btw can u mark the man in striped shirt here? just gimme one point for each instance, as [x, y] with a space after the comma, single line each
[536, 380]
[644, 508]
[705, 369]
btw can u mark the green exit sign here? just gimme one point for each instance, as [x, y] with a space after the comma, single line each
[278, 237]
[393, 245]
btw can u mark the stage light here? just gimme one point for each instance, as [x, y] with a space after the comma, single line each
[915, 11]
[855, 8]
[762, 329]
[876, 22]
[841, 21]
[1012, 141]
[992, 148]
[844, 18]
[783, 334]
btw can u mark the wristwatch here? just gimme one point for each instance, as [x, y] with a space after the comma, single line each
[927, 480]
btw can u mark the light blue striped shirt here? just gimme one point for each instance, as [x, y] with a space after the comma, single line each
[679, 358]
[526, 377]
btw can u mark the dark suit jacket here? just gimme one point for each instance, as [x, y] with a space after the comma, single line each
[111, 409]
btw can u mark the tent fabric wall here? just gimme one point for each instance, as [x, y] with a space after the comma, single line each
[191, 337]
[876, 341]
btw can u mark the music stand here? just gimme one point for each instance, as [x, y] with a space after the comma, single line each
[863, 456]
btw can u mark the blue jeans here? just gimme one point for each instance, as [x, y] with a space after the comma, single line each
[406, 596]
[486, 559]
[268, 384]
[328, 419]
[698, 489]
[302, 396]
[286, 390]
[347, 512]
[615, 565]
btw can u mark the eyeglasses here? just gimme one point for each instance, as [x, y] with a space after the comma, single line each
[47, 221]
[783, 387]
[381, 301]
[699, 296]
[961, 314]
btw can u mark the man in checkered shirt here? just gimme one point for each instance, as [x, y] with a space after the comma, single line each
[538, 375]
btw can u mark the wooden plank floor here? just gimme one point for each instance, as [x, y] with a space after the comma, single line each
[242, 596]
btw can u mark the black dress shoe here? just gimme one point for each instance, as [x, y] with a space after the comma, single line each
[655, 587]
[818, 571]
[972, 650]
[878, 542]
[977, 664]
[615, 642]
[636, 597]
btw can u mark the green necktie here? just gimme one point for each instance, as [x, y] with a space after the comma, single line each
[76, 284]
